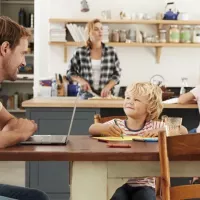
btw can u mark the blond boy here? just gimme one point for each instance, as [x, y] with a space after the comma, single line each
[142, 106]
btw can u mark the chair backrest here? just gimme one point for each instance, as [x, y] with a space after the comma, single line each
[99, 119]
[177, 148]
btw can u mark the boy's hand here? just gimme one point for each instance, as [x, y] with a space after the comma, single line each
[112, 130]
[150, 133]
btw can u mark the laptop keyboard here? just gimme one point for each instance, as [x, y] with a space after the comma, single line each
[46, 138]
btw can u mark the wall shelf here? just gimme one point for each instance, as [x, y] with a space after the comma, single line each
[120, 44]
[17, 111]
[29, 55]
[158, 46]
[18, 81]
[18, 2]
[151, 22]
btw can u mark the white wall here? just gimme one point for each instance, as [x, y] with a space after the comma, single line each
[138, 64]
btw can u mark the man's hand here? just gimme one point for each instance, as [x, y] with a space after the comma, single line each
[21, 126]
[11, 125]
[112, 130]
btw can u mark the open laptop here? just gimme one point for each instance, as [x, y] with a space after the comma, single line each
[53, 139]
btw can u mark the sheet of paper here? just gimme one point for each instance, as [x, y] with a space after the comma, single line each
[117, 139]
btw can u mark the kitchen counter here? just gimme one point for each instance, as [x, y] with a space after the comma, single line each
[68, 102]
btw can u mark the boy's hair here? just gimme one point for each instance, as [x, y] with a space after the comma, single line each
[11, 32]
[154, 97]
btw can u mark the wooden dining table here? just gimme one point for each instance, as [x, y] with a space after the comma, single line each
[96, 170]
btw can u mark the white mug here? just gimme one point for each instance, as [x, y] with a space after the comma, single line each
[139, 15]
[183, 16]
[106, 14]
[133, 16]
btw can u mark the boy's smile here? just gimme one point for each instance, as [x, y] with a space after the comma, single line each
[135, 106]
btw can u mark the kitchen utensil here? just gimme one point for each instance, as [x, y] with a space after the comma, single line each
[60, 78]
[93, 93]
[139, 16]
[157, 80]
[106, 14]
[84, 6]
[65, 83]
[122, 90]
[72, 90]
[183, 16]
[171, 12]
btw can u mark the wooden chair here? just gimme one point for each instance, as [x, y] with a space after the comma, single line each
[99, 119]
[177, 147]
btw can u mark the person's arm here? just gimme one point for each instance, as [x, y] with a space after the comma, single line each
[97, 129]
[186, 98]
[5, 116]
[73, 73]
[14, 130]
[115, 79]
[117, 70]
[160, 126]
[106, 90]
[106, 129]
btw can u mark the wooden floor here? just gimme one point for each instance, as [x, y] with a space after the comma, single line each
[12, 173]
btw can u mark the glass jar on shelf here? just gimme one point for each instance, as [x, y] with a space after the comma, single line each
[174, 34]
[196, 34]
[122, 36]
[163, 35]
[115, 35]
[186, 34]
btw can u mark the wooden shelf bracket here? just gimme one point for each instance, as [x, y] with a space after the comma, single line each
[158, 54]
[65, 53]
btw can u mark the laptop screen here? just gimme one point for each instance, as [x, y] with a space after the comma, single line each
[73, 114]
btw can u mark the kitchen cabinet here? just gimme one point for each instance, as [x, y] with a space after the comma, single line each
[24, 84]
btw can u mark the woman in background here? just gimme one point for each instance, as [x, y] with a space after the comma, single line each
[96, 66]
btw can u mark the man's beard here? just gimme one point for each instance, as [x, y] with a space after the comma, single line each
[9, 74]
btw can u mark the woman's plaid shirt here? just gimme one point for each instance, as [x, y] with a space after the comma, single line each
[80, 65]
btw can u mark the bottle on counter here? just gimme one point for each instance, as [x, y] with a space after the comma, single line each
[54, 92]
[16, 99]
[184, 84]
[22, 17]
[31, 20]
